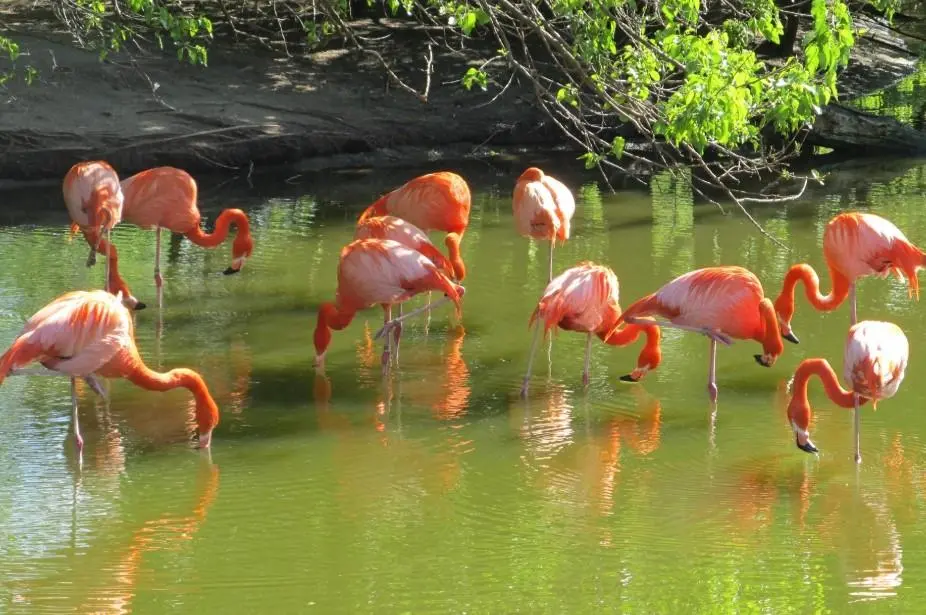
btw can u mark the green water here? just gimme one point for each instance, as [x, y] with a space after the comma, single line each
[438, 490]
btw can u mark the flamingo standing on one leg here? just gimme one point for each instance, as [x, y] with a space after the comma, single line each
[88, 334]
[384, 272]
[874, 364]
[166, 197]
[720, 302]
[543, 208]
[94, 199]
[855, 245]
[433, 202]
[585, 298]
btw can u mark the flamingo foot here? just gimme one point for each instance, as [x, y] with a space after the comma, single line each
[78, 441]
[385, 360]
[158, 280]
[712, 391]
[524, 387]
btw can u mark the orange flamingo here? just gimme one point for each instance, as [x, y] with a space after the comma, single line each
[874, 364]
[380, 271]
[95, 202]
[720, 302]
[433, 202]
[585, 298]
[85, 334]
[166, 197]
[855, 245]
[407, 234]
[543, 208]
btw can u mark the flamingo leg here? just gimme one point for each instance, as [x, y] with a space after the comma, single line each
[530, 359]
[109, 243]
[857, 421]
[714, 334]
[712, 373]
[77, 437]
[387, 317]
[427, 322]
[853, 306]
[550, 273]
[158, 280]
[588, 359]
[395, 322]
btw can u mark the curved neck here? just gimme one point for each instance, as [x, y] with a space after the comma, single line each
[803, 272]
[116, 283]
[329, 317]
[799, 407]
[452, 242]
[207, 413]
[651, 354]
[770, 336]
[222, 226]
[378, 208]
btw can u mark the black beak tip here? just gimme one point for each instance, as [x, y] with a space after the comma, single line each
[140, 306]
[808, 448]
[628, 378]
[230, 271]
[760, 360]
[792, 338]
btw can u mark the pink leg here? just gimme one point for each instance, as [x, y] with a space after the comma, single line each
[853, 306]
[387, 316]
[712, 373]
[588, 360]
[530, 359]
[158, 280]
[77, 437]
[714, 334]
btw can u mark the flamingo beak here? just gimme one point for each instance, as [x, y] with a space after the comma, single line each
[791, 337]
[205, 439]
[762, 360]
[629, 378]
[807, 446]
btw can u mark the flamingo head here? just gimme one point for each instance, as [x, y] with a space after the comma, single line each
[241, 251]
[799, 418]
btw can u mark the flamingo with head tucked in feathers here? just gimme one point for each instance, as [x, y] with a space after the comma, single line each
[384, 272]
[855, 245]
[586, 298]
[166, 197]
[874, 364]
[720, 302]
[95, 202]
[543, 208]
[433, 202]
[85, 334]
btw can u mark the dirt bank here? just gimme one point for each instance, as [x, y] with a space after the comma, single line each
[247, 108]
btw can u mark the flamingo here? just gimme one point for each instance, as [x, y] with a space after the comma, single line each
[543, 208]
[436, 201]
[875, 360]
[585, 298]
[720, 302]
[94, 199]
[855, 245]
[166, 197]
[380, 271]
[86, 334]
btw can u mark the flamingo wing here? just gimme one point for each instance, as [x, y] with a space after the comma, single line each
[581, 298]
[163, 196]
[875, 359]
[77, 334]
[81, 183]
[565, 204]
[535, 213]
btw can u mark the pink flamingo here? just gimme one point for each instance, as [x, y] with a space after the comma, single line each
[720, 302]
[94, 200]
[855, 245]
[379, 271]
[875, 361]
[543, 208]
[433, 202]
[585, 298]
[88, 334]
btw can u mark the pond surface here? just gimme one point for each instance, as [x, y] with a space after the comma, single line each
[437, 489]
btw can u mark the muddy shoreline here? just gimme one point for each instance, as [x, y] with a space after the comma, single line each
[249, 111]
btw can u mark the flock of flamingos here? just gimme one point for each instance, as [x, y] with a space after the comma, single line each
[90, 334]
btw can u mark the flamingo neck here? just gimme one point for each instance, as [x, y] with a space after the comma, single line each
[784, 304]
[770, 336]
[207, 412]
[222, 226]
[650, 356]
[378, 208]
[329, 317]
[452, 242]
[116, 283]
[799, 412]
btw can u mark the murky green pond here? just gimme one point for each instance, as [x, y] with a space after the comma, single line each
[438, 490]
